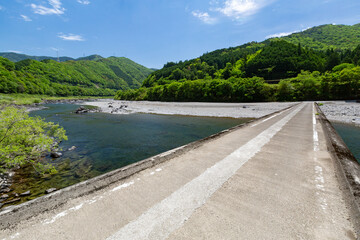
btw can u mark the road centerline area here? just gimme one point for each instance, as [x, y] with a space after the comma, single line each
[168, 215]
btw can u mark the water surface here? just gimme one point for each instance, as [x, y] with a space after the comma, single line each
[105, 142]
[351, 136]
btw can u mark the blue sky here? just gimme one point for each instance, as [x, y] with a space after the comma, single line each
[153, 32]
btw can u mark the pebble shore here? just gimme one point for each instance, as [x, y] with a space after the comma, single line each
[337, 111]
[233, 110]
[342, 111]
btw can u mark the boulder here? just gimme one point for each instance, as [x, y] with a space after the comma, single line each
[5, 190]
[81, 110]
[14, 200]
[50, 190]
[4, 196]
[27, 193]
[56, 154]
[72, 148]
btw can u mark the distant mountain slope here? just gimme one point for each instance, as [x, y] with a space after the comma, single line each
[133, 73]
[323, 37]
[91, 57]
[16, 57]
[308, 50]
[84, 77]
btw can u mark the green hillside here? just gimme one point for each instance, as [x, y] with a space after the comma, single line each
[93, 57]
[71, 78]
[288, 68]
[341, 37]
[16, 57]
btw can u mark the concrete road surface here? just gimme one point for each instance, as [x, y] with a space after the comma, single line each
[273, 179]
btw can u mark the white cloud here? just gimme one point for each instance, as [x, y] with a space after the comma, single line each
[71, 37]
[14, 51]
[85, 2]
[282, 34]
[204, 16]
[238, 9]
[55, 8]
[26, 18]
[54, 49]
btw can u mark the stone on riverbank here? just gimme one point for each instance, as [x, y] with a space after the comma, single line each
[55, 154]
[27, 193]
[50, 190]
[4, 196]
[12, 201]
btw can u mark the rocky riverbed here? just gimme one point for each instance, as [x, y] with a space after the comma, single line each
[339, 111]
[233, 110]
[342, 111]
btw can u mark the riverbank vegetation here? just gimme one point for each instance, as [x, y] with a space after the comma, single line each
[30, 99]
[24, 139]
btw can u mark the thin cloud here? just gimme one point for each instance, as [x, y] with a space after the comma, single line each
[204, 17]
[55, 8]
[14, 51]
[26, 18]
[85, 2]
[282, 34]
[239, 9]
[1, 8]
[71, 37]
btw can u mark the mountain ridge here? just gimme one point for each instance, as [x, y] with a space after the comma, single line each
[98, 77]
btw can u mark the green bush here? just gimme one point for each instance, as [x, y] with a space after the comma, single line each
[24, 139]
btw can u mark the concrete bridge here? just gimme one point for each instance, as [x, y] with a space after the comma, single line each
[284, 176]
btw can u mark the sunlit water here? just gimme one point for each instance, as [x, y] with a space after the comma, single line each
[105, 142]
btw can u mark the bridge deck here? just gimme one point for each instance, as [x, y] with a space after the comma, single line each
[273, 179]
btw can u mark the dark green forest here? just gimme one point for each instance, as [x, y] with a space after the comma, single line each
[320, 63]
[321, 38]
[94, 76]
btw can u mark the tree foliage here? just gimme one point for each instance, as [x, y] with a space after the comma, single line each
[324, 37]
[24, 139]
[72, 78]
[344, 83]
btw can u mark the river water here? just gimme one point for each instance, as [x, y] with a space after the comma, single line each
[105, 142]
[351, 136]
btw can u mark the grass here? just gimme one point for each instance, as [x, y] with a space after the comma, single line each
[28, 99]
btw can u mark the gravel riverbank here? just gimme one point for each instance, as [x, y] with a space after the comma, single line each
[342, 111]
[233, 110]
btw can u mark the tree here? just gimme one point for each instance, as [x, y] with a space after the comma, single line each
[24, 139]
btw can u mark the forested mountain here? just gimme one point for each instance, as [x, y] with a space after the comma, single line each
[91, 58]
[16, 57]
[338, 37]
[84, 77]
[324, 68]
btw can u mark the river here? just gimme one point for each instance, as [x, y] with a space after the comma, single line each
[105, 142]
[351, 136]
